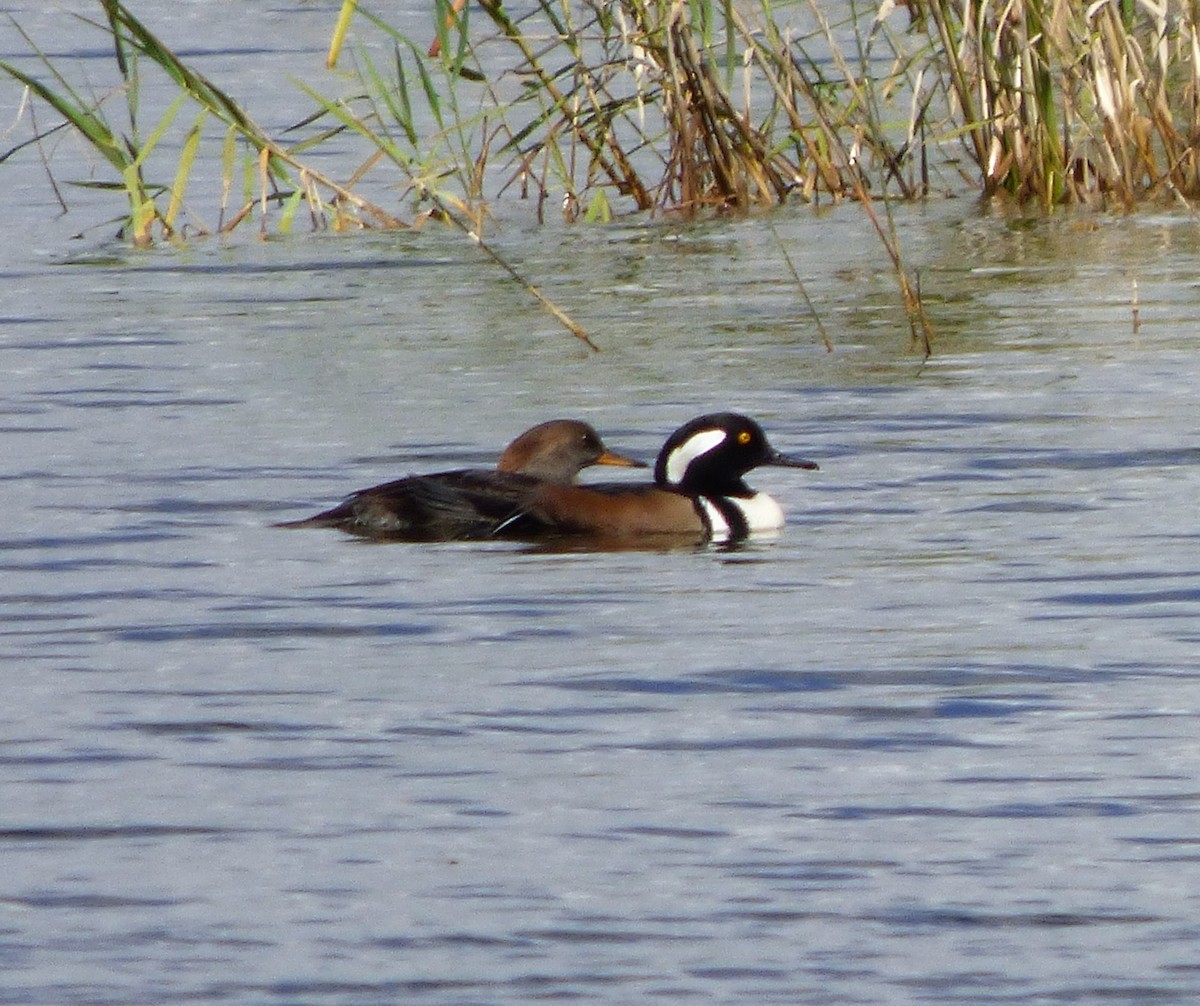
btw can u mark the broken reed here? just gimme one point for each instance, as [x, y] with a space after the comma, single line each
[594, 108]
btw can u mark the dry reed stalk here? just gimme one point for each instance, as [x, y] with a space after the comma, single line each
[1070, 102]
[716, 157]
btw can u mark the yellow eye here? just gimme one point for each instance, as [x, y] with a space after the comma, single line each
[744, 437]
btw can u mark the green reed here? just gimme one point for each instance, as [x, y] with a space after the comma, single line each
[112, 127]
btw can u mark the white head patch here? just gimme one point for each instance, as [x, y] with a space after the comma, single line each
[687, 452]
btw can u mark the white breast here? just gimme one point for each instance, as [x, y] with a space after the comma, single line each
[761, 511]
[716, 521]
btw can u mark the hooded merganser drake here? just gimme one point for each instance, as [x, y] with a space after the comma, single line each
[698, 491]
[471, 503]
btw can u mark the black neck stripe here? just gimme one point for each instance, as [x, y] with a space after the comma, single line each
[733, 515]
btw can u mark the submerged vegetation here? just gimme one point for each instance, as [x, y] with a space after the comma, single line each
[593, 108]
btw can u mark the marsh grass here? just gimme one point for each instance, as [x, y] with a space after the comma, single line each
[601, 108]
[593, 109]
[1066, 102]
[597, 108]
[275, 177]
[114, 129]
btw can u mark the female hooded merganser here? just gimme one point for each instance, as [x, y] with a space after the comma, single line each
[698, 491]
[471, 502]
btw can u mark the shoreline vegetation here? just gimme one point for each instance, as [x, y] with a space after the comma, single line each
[595, 110]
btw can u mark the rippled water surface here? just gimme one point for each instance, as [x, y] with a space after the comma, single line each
[936, 743]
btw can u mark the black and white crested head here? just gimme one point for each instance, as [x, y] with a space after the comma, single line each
[709, 456]
[686, 449]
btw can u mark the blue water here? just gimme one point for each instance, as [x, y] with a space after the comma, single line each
[933, 744]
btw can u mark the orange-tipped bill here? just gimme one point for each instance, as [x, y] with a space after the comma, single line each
[618, 461]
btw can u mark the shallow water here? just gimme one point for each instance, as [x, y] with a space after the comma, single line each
[935, 743]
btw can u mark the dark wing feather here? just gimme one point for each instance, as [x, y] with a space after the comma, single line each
[448, 506]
